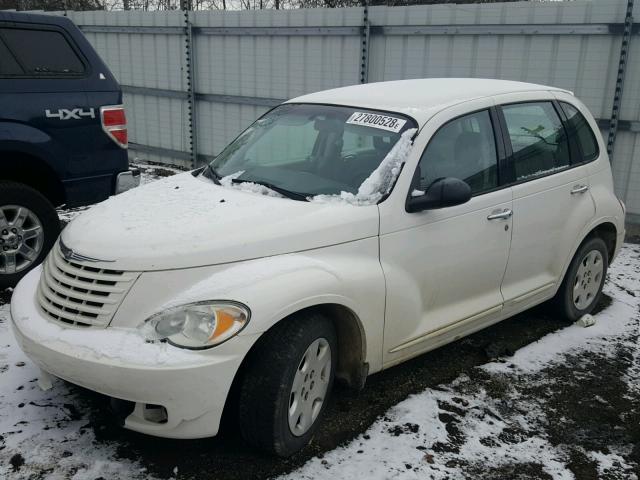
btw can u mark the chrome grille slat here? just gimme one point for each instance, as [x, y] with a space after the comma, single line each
[79, 294]
[70, 303]
[70, 269]
[61, 277]
[59, 289]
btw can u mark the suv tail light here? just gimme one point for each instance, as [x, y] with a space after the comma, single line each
[114, 124]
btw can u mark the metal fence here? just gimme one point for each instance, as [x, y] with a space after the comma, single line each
[194, 80]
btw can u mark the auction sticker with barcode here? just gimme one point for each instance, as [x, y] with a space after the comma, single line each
[393, 124]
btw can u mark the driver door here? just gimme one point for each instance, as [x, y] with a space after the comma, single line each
[444, 267]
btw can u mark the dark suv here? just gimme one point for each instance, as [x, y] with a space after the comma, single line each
[63, 134]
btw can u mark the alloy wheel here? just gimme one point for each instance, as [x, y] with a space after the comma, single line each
[21, 238]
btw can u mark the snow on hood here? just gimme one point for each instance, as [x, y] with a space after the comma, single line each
[186, 221]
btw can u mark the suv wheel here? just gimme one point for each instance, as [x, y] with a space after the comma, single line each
[582, 286]
[287, 384]
[29, 226]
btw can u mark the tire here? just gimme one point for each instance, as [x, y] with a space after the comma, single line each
[267, 392]
[37, 219]
[582, 285]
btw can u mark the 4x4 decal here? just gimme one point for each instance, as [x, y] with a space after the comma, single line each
[75, 113]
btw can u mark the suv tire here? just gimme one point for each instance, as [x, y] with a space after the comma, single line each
[582, 285]
[287, 384]
[37, 219]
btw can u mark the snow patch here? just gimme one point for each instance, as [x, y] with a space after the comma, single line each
[48, 428]
[250, 187]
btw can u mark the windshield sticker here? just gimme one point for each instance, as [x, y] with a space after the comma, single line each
[384, 122]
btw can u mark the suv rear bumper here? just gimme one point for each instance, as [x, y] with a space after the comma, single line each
[94, 189]
[127, 180]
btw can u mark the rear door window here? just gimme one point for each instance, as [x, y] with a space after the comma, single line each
[41, 52]
[580, 134]
[538, 139]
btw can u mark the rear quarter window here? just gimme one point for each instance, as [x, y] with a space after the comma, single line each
[40, 53]
[580, 134]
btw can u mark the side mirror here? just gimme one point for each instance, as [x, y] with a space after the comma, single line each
[444, 192]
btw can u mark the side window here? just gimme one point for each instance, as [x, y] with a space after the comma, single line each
[581, 134]
[538, 139]
[464, 148]
[8, 64]
[42, 52]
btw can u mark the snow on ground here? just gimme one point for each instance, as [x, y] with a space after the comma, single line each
[566, 406]
[45, 434]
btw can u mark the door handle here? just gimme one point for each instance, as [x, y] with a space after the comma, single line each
[500, 214]
[579, 189]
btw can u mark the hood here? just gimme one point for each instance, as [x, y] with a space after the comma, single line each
[185, 221]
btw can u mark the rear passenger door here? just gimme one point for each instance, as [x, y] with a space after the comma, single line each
[551, 203]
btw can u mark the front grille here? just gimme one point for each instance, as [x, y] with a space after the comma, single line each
[79, 294]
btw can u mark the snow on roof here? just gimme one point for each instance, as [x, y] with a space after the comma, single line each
[419, 98]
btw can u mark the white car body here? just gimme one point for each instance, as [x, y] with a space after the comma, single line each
[176, 241]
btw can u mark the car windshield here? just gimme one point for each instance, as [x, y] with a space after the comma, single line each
[307, 150]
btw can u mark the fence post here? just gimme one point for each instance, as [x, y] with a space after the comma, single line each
[364, 46]
[191, 100]
[622, 69]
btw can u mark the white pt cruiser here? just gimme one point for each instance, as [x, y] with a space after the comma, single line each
[342, 233]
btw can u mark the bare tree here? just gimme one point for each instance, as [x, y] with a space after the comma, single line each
[168, 5]
[51, 5]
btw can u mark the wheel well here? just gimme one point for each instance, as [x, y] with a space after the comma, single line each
[34, 172]
[350, 368]
[608, 233]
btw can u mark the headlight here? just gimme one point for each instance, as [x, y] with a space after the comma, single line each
[197, 325]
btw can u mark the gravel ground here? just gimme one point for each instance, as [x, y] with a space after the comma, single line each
[530, 398]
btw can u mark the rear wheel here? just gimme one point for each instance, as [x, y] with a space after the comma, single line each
[29, 226]
[582, 286]
[287, 384]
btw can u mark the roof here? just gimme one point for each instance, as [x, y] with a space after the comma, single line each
[419, 98]
[41, 18]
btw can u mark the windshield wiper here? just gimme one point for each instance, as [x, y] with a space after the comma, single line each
[211, 173]
[280, 190]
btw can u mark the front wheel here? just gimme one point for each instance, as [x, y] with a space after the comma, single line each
[287, 384]
[29, 226]
[582, 286]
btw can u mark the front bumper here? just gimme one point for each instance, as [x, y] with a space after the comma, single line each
[192, 386]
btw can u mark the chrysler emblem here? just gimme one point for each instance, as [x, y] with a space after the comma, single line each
[69, 255]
